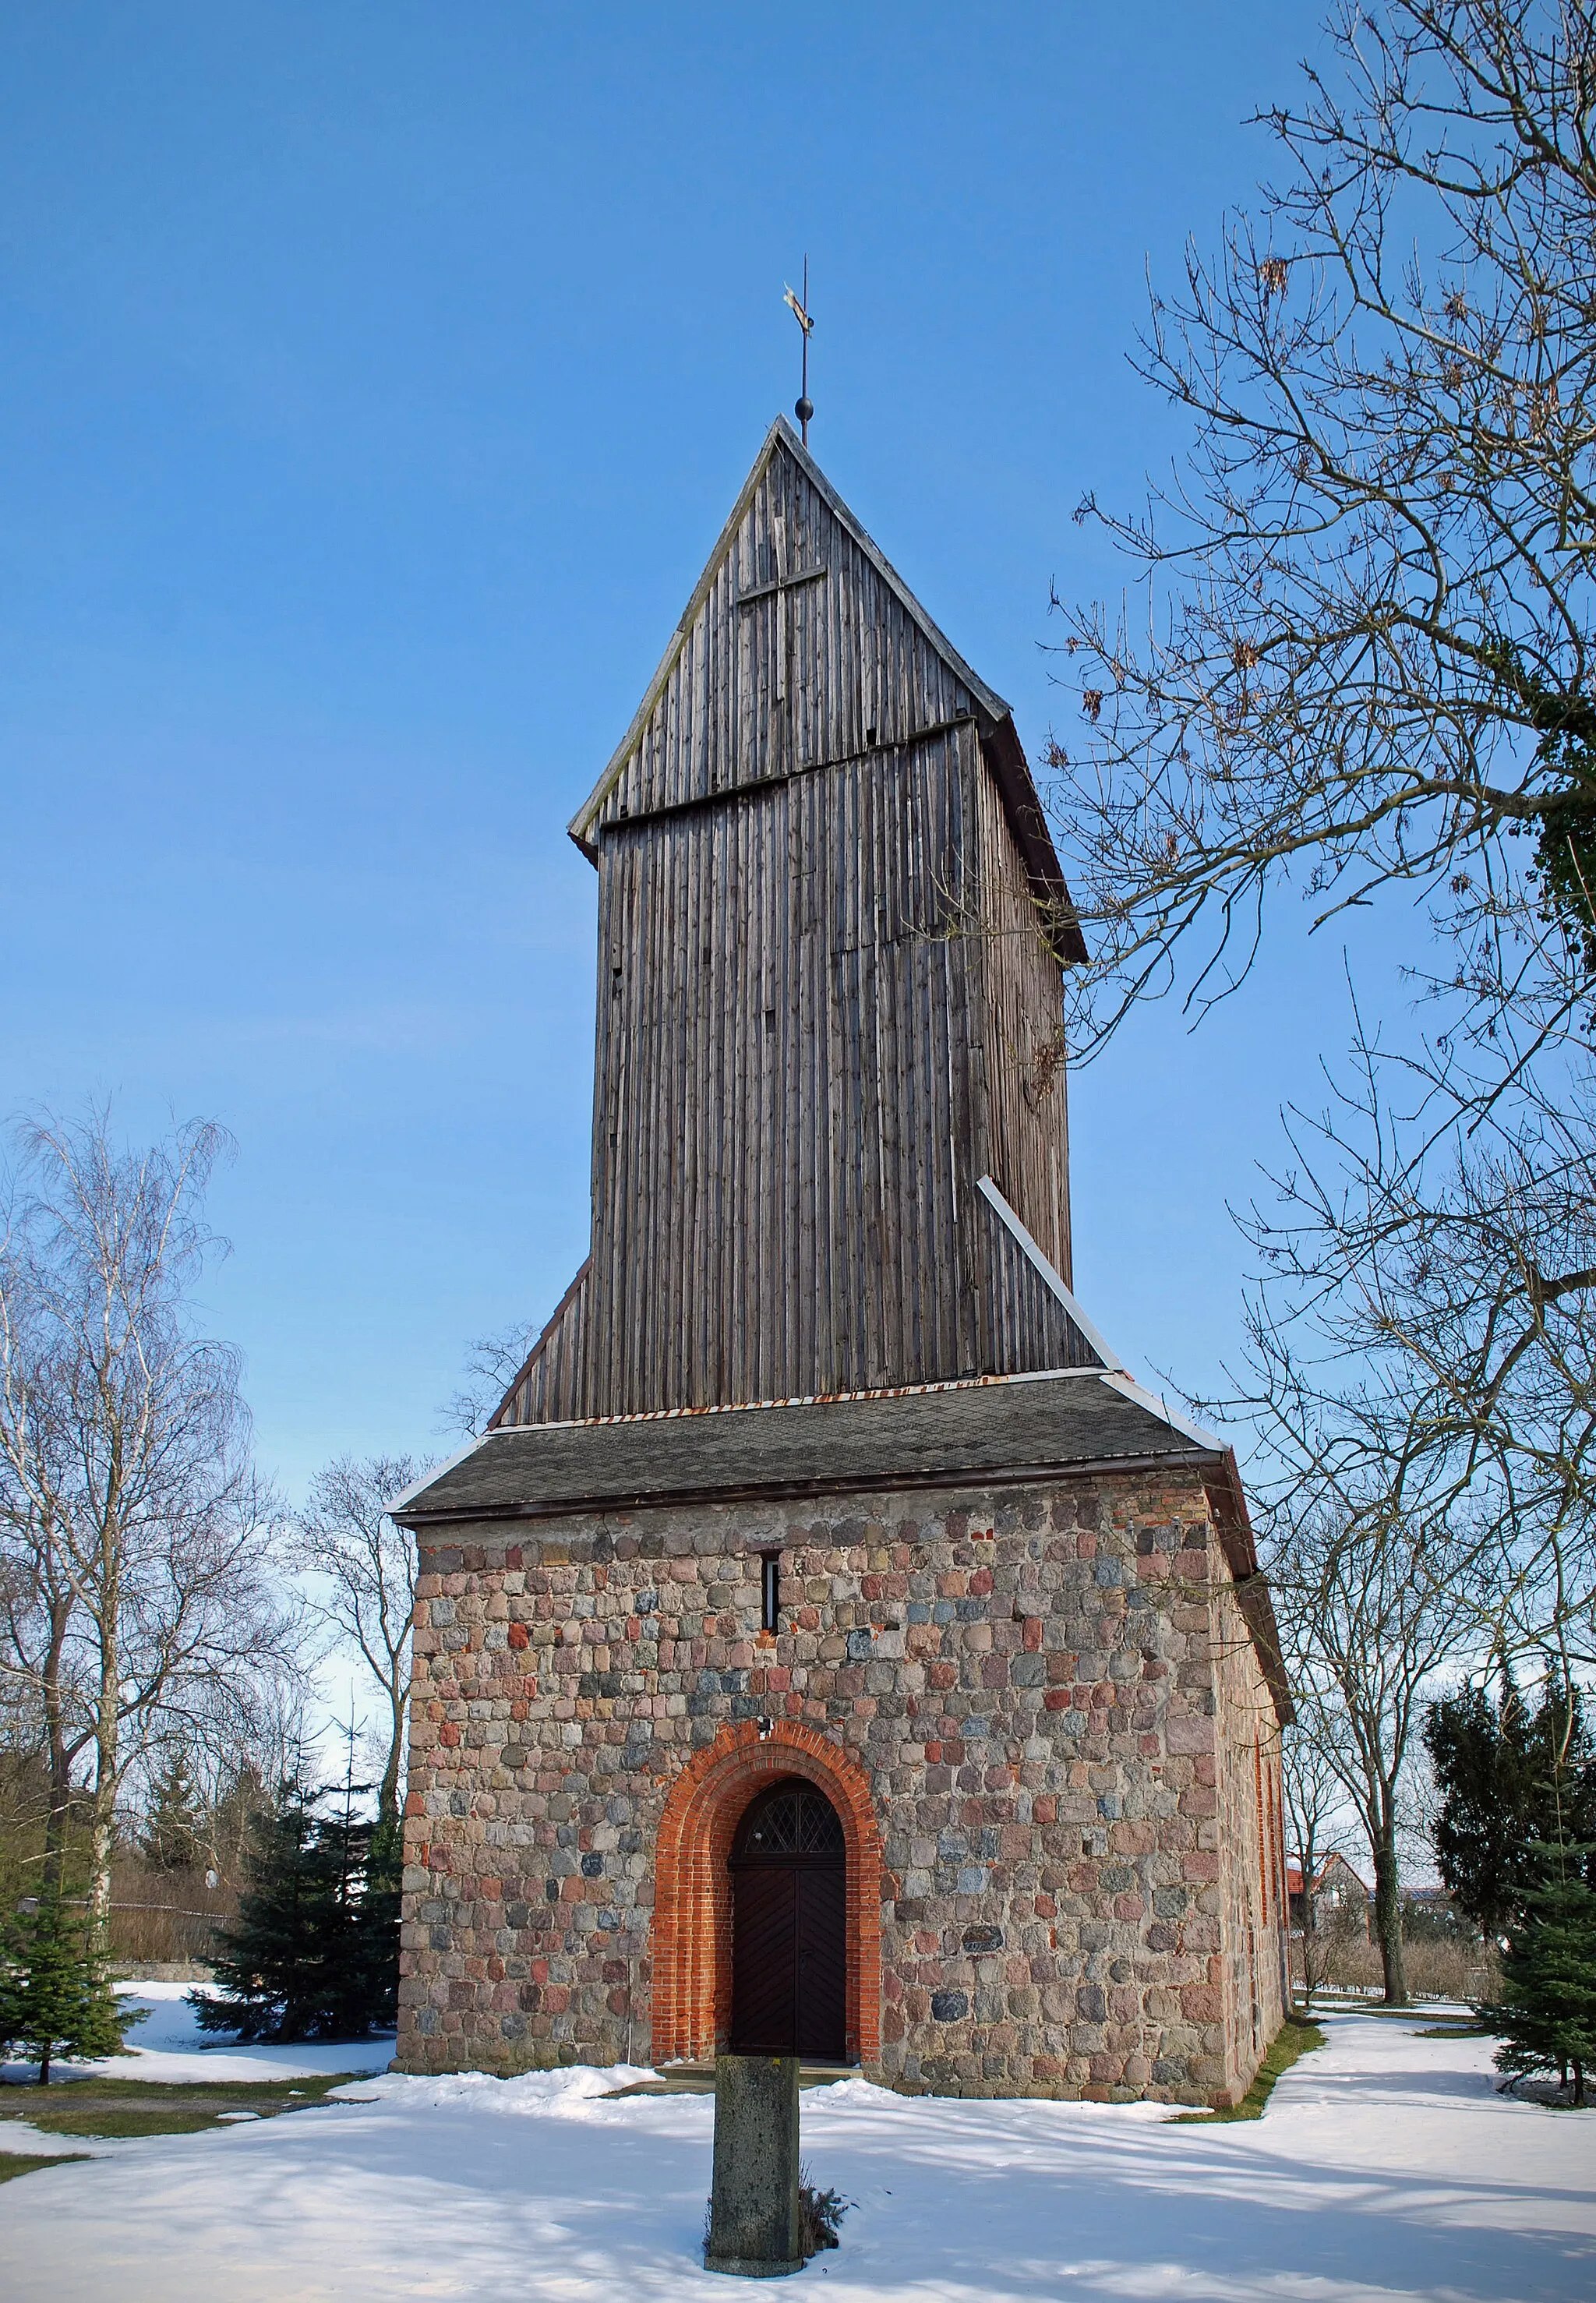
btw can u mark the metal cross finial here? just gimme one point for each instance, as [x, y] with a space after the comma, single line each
[805, 407]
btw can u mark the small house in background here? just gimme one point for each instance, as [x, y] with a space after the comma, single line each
[1430, 1915]
[1339, 1893]
[830, 1647]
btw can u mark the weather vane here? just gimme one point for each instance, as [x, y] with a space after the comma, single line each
[805, 407]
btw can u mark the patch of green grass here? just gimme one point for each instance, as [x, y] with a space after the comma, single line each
[116, 2107]
[253, 2094]
[1456, 2031]
[1293, 2039]
[115, 2119]
[13, 2164]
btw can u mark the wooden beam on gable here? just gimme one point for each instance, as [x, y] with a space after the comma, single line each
[503, 1417]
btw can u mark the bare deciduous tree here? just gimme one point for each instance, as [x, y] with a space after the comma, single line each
[1427, 1332]
[1362, 666]
[1314, 1799]
[365, 1570]
[135, 1538]
[1371, 1612]
[1365, 662]
[491, 1365]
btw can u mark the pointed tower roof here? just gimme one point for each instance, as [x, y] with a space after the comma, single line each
[999, 740]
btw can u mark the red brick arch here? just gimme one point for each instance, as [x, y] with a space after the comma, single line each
[692, 1886]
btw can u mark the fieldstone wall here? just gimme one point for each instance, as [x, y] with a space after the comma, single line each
[1247, 1742]
[1034, 1681]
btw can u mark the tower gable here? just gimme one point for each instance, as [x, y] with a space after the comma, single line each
[800, 645]
[830, 927]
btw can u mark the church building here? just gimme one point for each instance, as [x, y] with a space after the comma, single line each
[830, 1647]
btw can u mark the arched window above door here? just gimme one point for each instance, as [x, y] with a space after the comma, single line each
[793, 1818]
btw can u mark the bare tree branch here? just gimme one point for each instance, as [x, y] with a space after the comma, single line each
[365, 1567]
[1363, 660]
[491, 1365]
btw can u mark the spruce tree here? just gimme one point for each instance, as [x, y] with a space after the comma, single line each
[379, 1922]
[268, 1962]
[345, 1845]
[314, 1952]
[58, 2000]
[1545, 2014]
[1509, 1778]
[173, 1835]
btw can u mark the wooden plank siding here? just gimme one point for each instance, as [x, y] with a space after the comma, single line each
[1028, 1145]
[552, 1386]
[825, 1006]
[775, 676]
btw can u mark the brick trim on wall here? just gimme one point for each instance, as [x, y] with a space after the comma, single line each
[692, 1909]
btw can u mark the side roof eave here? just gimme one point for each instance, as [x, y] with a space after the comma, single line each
[1001, 740]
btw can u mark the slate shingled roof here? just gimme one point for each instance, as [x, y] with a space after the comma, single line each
[1008, 1430]
[1000, 1431]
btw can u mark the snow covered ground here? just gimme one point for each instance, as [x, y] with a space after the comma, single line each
[170, 2046]
[1386, 2167]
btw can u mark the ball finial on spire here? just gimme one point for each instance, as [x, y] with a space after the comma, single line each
[804, 407]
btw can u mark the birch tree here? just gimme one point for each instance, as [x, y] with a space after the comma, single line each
[140, 1598]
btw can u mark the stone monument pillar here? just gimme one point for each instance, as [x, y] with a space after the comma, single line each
[754, 2228]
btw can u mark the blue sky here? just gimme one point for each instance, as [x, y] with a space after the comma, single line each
[376, 378]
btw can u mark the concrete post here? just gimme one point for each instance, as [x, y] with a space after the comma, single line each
[754, 2230]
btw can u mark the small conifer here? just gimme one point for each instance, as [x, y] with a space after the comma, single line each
[314, 1952]
[173, 1835]
[269, 1960]
[11, 1997]
[57, 1999]
[1545, 2012]
[351, 1983]
[379, 1922]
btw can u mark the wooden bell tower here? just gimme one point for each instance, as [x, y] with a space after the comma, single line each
[830, 1143]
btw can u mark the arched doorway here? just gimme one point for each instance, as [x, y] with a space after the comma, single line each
[788, 1866]
[690, 1939]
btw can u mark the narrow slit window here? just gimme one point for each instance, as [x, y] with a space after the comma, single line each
[770, 1590]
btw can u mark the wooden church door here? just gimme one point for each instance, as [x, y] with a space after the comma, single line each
[789, 1926]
